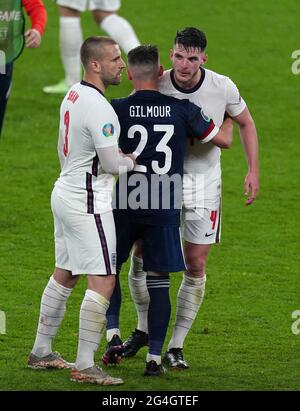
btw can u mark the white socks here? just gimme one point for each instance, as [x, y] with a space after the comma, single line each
[91, 327]
[139, 292]
[156, 358]
[53, 306]
[189, 300]
[110, 333]
[70, 39]
[121, 31]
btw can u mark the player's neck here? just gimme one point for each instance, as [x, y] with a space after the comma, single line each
[145, 85]
[95, 81]
[189, 84]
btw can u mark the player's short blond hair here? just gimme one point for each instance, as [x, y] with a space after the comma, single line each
[93, 47]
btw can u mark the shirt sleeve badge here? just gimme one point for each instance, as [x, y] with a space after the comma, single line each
[108, 130]
[205, 116]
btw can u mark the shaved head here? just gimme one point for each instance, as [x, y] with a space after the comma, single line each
[93, 48]
[143, 62]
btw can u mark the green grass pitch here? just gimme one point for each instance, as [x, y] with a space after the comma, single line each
[242, 337]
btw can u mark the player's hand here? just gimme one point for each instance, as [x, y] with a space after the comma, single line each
[132, 157]
[251, 187]
[32, 38]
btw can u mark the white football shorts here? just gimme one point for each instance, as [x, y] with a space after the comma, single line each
[202, 225]
[84, 243]
[83, 5]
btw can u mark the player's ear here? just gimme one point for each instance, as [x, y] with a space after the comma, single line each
[161, 71]
[205, 58]
[171, 54]
[95, 66]
[129, 75]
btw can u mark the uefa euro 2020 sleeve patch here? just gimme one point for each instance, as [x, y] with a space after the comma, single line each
[108, 130]
[205, 116]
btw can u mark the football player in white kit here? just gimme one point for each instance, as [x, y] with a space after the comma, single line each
[85, 241]
[70, 35]
[201, 214]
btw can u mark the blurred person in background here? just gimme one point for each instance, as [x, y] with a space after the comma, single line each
[13, 39]
[70, 35]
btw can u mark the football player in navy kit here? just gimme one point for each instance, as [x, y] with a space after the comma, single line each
[155, 128]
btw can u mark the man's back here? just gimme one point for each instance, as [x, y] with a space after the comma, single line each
[155, 127]
[87, 122]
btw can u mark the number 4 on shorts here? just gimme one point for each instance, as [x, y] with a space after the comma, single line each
[2, 322]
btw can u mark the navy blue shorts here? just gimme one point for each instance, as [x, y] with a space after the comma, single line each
[162, 251]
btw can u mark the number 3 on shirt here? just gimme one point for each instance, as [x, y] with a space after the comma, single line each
[66, 123]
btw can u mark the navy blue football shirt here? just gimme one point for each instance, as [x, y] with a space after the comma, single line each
[155, 128]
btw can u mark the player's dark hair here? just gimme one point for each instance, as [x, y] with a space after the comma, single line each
[92, 48]
[143, 62]
[144, 55]
[190, 37]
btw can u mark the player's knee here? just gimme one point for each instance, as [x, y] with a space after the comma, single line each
[68, 12]
[99, 15]
[110, 281]
[102, 284]
[65, 277]
[195, 265]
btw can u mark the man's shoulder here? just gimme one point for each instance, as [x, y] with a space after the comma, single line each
[165, 79]
[87, 102]
[120, 100]
[217, 79]
[120, 104]
[173, 101]
[85, 93]
[166, 73]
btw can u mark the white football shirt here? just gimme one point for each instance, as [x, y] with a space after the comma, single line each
[216, 94]
[87, 122]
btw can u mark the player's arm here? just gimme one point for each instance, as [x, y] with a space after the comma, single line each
[38, 17]
[204, 129]
[250, 142]
[223, 138]
[105, 134]
[113, 162]
[237, 109]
